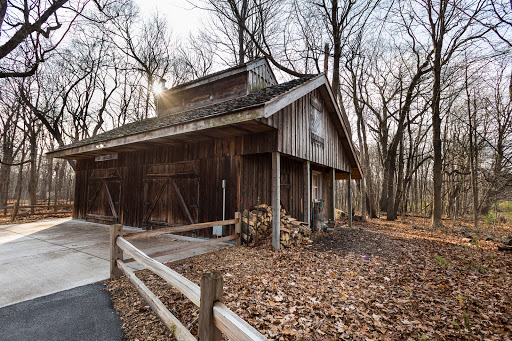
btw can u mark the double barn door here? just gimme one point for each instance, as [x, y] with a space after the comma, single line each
[171, 195]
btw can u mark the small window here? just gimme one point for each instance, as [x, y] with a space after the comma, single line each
[316, 186]
[316, 122]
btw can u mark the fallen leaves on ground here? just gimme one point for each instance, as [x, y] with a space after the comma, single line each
[378, 280]
[25, 217]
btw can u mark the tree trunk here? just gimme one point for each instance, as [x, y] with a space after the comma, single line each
[33, 167]
[472, 163]
[438, 32]
[390, 179]
[5, 177]
[437, 208]
[336, 37]
[18, 189]
[400, 179]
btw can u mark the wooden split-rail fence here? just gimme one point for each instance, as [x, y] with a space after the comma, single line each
[214, 317]
[30, 210]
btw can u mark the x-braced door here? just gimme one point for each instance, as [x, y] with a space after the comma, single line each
[104, 195]
[171, 200]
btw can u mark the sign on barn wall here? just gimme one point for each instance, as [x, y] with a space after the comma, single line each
[317, 124]
[106, 157]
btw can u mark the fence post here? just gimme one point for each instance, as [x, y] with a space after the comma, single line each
[116, 253]
[238, 228]
[15, 210]
[211, 291]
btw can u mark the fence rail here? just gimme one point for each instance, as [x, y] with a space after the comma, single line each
[214, 317]
[17, 210]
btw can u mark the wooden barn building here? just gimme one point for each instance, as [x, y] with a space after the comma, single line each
[219, 143]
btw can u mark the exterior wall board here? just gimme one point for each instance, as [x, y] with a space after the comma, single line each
[294, 124]
[202, 95]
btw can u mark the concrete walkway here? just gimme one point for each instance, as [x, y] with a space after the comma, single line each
[80, 314]
[49, 256]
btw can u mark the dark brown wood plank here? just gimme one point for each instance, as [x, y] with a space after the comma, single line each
[155, 201]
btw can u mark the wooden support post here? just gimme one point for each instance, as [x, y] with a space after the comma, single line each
[211, 291]
[363, 198]
[332, 195]
[238, 228]
[307, 192]
[349, 200]
[276, 200]
[116, 253]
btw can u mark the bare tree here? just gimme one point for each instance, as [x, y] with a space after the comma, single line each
[149, 48]
[450, 25]
[27, 28]
[10, 108]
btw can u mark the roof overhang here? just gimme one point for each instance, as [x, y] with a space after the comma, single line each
[236, 123]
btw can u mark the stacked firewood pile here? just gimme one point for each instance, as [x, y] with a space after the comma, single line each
[257, 226]
[294, 232]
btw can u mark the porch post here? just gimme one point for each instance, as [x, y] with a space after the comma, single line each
[307, 192]
[332, 185]
[349, 199]
[276, 200]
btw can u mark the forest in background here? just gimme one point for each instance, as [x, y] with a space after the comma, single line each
[425, 85]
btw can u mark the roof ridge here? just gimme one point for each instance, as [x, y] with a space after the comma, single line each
[216, 73]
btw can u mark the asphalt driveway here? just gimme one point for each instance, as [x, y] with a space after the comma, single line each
[80, 314]
[49, 256]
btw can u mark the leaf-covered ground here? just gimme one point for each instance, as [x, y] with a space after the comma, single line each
[375, 281]
[27, 218]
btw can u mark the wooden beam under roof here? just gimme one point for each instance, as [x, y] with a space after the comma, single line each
[206, 125]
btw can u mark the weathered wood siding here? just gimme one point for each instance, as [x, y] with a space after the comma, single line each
[256, 182]
[197, 169]
[256, 179]
[202, 95]
[295, 138]
[260, 77]
[292, 187]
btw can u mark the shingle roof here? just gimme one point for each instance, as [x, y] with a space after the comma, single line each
[252, 100]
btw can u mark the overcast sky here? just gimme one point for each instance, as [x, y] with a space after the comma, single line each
[182, 17]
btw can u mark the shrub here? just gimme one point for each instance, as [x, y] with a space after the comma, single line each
[441, 260]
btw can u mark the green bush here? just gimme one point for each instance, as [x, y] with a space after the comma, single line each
[489, 218]
[505, 206]
[441, 260]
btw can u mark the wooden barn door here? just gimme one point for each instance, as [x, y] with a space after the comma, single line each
[104, 196]
[171, 195]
